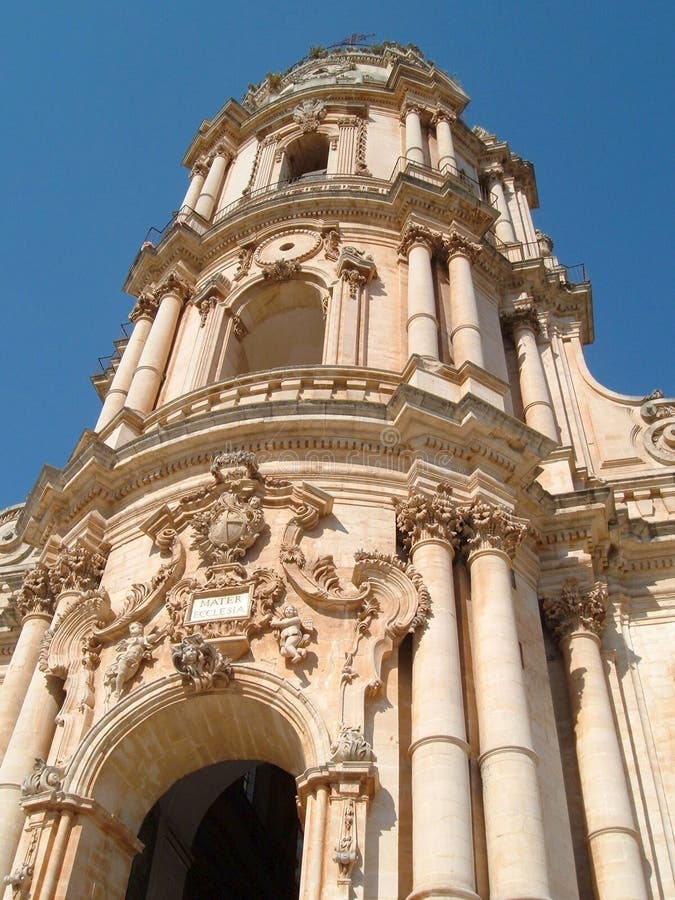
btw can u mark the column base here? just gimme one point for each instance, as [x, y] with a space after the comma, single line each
[432, 892]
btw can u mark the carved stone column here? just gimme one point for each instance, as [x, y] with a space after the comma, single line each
[441, 802]
[414, 141]
[171, 293]
[142, 316]
[504, 225]
[537, 406]
[516, 849]
[197, 176]
[442, 120]
[422, 322]
[74, 568]
[214, 183]
[577, 617]
[356, 269]
[36, 604]
[467, 344]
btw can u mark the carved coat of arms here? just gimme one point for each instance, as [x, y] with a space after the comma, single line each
[224, 532]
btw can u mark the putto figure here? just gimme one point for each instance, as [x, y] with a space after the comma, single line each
[132, 652]
[293, 634]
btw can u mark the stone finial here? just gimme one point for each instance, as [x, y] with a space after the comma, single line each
[423, 516]
[200, 663]
[456, 244]
[575, 609]
[488, 527]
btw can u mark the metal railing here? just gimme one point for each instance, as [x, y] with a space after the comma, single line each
[541, 249]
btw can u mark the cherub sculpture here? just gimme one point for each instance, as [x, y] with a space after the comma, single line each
[132, 652]
[293, 634]
[200, 663]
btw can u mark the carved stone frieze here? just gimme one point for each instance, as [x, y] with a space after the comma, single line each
[132, 653]
[200, 663]
[492, 527]
[421, 516]
[351, 746]
[309, 114]
[575, 609]
[42, 778]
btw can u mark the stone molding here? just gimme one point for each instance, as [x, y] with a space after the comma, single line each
[575, 609]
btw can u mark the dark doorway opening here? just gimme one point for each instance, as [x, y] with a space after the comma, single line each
[228, 831]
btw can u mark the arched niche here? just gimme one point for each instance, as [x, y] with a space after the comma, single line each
[284, 328]
[305, 158]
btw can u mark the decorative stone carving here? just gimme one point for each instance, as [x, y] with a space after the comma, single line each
[331, 244]
[281, 270]
[205, 305]
[132, 652]
[443, 115]
[76, 568]
[255, 596]
[199, 663]
[346, 852]
[293, 634]
[522, 316]
[232, 466]
[488, 527]
[575, 609]
[201, 167]
[659, 437]
[456, 244]
[145, 307]
[309, 114]
[355, 279]
[226, 531]
[42, 778]
[356, 268]
[360, 166]
[36, 595]
[293, 245]
[351, 746]
[245, 259]
[20, 879]
[173, 283]
[422, 516]
[414, 233]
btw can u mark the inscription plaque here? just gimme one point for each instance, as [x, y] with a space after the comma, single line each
[224, 606]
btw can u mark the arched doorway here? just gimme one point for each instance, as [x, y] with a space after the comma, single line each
[229, 830]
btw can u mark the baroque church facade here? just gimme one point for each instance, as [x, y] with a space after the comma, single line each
[361, 586]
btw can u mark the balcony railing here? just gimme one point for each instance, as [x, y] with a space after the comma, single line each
[540, 249]
[328, 182]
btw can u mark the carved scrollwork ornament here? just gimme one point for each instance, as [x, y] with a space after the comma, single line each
[659, 437]
[281, 270]
[575, 609]
[200, 663]
[309, 114]
[42, 778]
[350, 745]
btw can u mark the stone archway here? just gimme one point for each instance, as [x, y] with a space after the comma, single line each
[151, 740]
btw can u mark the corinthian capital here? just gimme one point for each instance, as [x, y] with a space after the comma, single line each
[576, 610]
[455, 244]
[424, 516]
[145, 307]
[488, 527]
[36, 596]
[173, 283]
[443, 115]
[76, 568]
[201, 167]
[417, 234]
[522, 317]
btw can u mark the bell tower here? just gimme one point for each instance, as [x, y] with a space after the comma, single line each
[358, 556]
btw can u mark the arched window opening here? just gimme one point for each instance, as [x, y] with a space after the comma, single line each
[230, 830]
[306, 158]
[286, 328]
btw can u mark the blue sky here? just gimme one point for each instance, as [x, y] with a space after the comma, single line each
[99, 102]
